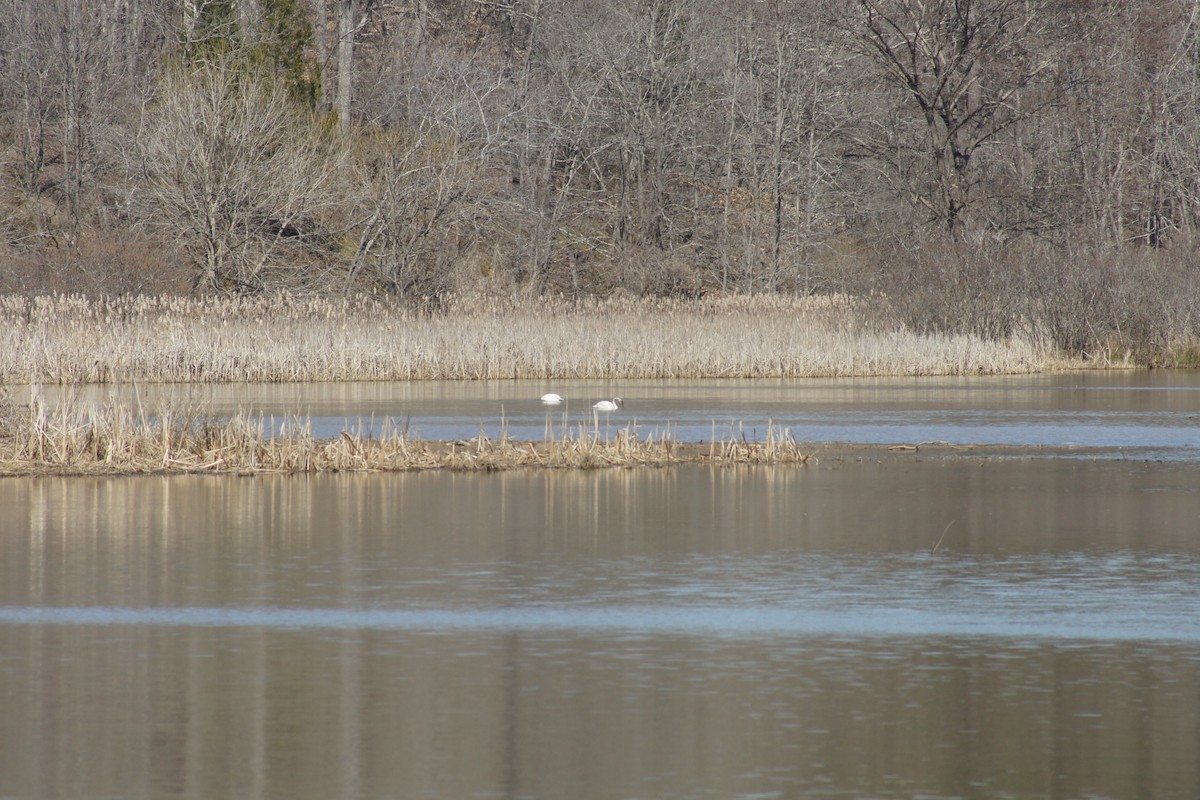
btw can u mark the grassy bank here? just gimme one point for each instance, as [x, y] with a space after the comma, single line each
[119, 438]
[70, 339]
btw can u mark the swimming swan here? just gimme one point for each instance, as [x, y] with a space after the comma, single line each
[609, 405]
[552, 399]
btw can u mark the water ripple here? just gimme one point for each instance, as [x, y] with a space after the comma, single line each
[1056, 623]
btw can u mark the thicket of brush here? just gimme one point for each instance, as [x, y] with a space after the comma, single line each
[118, 438]
[1140, 306]
[68, 339]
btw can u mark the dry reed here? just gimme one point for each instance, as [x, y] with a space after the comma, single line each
[123, 438]
[70, 339]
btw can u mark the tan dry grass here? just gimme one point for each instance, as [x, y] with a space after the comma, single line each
[120, 438]
[68, 339]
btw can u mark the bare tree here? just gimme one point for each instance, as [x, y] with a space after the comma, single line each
[236, 173]
[60, 66]
[408, 189]
[785, 111]
[345, 71]
[964, 66]
[1116, 160]
[31, 107]
[350, 19]
[1172, 158]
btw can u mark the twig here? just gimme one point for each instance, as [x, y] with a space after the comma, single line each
[940, 538]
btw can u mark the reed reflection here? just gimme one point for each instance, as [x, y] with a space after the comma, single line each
[360, 714]
[268, 710]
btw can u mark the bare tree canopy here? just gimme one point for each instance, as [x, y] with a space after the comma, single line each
[582, 147]
[965, 66]
[234, 175]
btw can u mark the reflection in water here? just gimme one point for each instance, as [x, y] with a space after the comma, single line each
[688, 632]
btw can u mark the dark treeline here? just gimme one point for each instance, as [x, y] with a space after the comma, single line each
[1002, 167]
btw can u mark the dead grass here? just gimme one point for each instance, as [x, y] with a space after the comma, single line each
[123, 438]
[69, 339]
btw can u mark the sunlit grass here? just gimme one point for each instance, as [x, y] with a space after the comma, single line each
[70, 339]
[118, 437]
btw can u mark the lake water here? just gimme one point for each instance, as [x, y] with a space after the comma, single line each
[871, 625]
[1150, 414]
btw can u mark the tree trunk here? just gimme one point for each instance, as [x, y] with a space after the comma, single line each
[345, 70]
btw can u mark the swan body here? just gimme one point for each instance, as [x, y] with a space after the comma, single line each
[552, 399]
[609, 405]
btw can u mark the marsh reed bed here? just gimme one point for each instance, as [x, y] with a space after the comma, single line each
[67, 339]
[120, 437]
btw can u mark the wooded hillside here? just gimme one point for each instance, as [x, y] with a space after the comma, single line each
[979, 162]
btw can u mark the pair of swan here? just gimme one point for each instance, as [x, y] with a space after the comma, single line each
[604, 405]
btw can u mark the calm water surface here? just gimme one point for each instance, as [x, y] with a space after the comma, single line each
[692, 632]
[1152, 414]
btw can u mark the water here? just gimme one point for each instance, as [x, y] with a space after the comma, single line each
[1152, 414]
[872, 625]
[1084, 600]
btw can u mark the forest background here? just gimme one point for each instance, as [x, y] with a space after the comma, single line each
[999, 168]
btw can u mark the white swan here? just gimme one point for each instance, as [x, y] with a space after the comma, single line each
[552, 399]
[609, 405]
